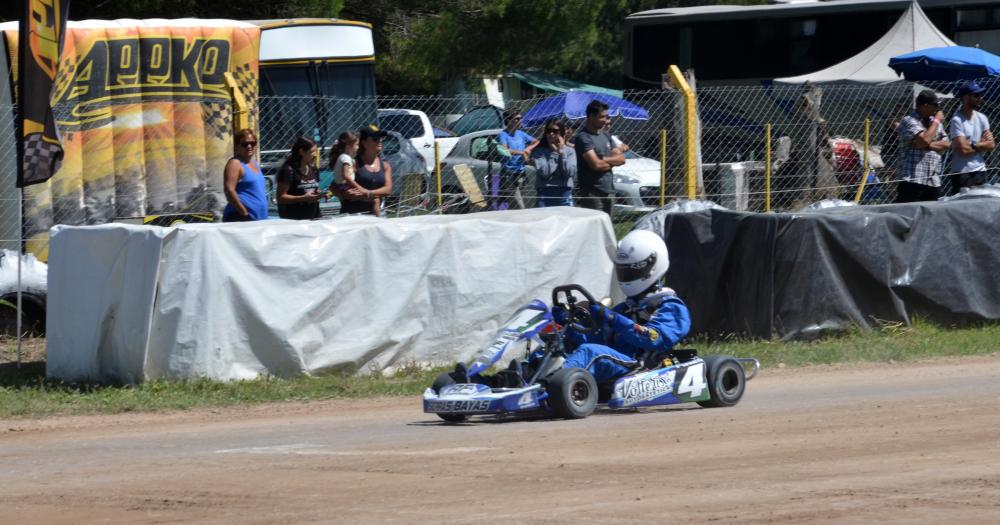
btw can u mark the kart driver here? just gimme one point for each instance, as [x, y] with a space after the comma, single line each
[634, 334]
[638, 332]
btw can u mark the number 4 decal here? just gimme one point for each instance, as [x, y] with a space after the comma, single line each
[693, 382]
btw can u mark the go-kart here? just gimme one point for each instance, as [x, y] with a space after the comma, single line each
[677, 376]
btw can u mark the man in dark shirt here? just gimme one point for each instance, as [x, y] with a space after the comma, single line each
[595, 158]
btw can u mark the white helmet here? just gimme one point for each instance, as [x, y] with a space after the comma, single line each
[640, 260]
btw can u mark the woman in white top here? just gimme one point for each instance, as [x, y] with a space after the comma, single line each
[342, 161]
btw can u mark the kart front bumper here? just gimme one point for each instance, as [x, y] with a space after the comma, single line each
[472, 399]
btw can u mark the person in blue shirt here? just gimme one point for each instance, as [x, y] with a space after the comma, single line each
[971, 139]
[507, 189]
[243, 182]
[637, 333]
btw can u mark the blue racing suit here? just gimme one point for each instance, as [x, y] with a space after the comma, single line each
[639, 328]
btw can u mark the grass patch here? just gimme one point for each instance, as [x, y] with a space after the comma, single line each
[25, 392]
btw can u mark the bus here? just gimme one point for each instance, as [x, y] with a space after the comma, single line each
[742, 44]
[309, 62]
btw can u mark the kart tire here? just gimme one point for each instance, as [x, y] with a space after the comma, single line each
[572, 393]
[442, 381]
[726, 381]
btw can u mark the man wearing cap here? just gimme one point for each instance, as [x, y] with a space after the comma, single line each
[922, 141]
[970, 135]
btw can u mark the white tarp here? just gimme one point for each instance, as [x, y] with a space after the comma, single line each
[911, 32]
[233, 301]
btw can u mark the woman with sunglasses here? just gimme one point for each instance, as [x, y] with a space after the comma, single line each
[297, 191]
[243, 182]
[555, 165]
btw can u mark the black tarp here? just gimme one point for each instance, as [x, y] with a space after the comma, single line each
[797, 275]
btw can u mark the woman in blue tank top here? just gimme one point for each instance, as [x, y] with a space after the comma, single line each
[372, 173]
[244, 184]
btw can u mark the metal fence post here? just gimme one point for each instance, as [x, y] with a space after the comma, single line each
[663, 167]
[767, 167]
[437, 173]
[864, 166]
[690, 146]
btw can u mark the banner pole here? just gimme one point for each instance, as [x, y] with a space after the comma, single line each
[20, 244]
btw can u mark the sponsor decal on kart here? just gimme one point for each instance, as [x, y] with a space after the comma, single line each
[645, 387]
[464, 389]
[459, 405]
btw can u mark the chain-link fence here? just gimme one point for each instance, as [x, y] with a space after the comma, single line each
[135, 160]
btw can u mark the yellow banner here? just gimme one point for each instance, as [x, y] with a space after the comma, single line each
[146, 120]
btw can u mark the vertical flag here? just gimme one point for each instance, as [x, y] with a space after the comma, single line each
[40, 35]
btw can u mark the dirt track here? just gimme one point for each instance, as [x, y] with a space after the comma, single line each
[915, 443]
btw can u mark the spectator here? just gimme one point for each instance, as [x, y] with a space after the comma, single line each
[342, 155]
[243, 182]
[595, 158]
[520, 145]
[922, 140]
[971, 137]
[297, 189]
[373, 174]
[555, 165]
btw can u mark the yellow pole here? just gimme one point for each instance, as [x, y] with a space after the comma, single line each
[241, 110]
[663, 167]
[437, 172]
[690, 146]
[767, 167]
[864, 166]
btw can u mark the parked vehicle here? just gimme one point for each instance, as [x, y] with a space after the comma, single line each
[414, 126]
[484, 155]
[479, 118]
[637, 184]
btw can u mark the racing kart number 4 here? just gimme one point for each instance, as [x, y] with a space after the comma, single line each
[463, 405]
[694, 381]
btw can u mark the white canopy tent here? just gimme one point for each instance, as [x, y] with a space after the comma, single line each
[911, 32]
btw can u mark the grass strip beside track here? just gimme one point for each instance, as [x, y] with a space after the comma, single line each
[25, 392]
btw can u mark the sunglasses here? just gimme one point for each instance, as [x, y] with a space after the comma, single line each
[248, 144]
[553, 130]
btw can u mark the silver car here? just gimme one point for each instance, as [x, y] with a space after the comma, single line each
[482, 152]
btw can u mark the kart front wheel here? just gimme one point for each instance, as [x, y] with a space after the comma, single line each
[572, 393]
[726, 381]
[442, 381]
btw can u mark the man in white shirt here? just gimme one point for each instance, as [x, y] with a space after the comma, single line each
[970, 135]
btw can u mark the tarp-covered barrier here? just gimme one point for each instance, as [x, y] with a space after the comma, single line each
[799, 275]
[233, 301]
[146, 119]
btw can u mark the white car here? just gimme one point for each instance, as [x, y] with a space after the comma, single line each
[414, 126]
[637, 184]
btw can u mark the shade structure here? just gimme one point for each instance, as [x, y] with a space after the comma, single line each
[911, 32]
[946, 63]
[573, 105]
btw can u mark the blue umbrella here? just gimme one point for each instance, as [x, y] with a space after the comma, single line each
[946, 63]
[573, 105]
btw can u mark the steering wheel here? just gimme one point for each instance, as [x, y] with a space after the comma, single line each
[579, 318]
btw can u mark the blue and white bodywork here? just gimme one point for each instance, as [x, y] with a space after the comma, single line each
[472, 398]
[680, 383]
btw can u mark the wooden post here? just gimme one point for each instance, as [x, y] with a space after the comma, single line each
[864, 165]
[690, 146]
[437, 173]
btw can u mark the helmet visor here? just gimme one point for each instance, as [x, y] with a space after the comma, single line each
[635, 271]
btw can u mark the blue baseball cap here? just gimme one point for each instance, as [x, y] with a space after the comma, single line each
[971, 88]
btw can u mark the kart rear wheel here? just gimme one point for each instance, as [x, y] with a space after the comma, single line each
[726, 381]
[442, 381]
[572, 393]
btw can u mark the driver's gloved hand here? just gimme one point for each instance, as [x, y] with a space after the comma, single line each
[602, 314]
[560, 315]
